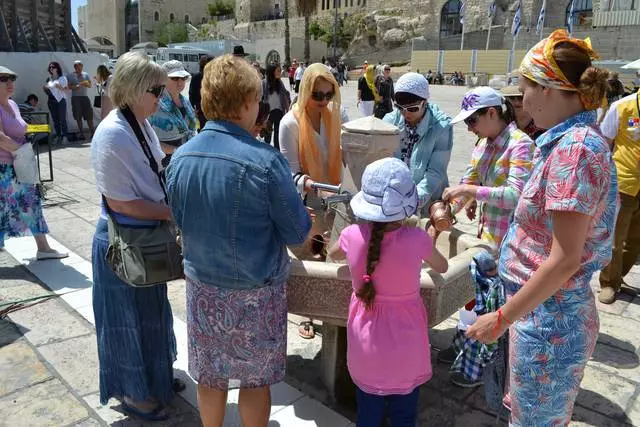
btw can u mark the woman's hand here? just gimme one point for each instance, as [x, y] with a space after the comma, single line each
[458, 191]
[308, 185]
[488, 328]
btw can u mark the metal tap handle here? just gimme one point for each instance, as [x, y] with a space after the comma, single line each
[326, 187]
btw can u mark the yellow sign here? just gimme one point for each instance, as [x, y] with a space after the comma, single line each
[38, 128]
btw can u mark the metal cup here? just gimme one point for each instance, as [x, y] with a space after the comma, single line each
[441, 216]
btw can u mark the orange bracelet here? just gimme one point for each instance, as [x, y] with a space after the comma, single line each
[501, 316]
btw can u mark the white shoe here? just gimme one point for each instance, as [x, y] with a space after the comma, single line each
[42, 255]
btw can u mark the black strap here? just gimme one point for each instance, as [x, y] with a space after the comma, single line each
[135, 126]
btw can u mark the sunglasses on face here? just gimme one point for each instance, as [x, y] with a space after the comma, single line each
[414, 108]
[177, 79]
[472, 120]
[156, 90]
[5, 79]
[322, 96]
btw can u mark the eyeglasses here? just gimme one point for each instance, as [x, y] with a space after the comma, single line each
[413, 108]
[5, 79]
[177, 79]
[322, 96]
[387, 69]
[156, 90]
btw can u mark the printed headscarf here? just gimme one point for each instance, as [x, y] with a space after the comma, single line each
[370, 77]
[311, 161]
[540, 67]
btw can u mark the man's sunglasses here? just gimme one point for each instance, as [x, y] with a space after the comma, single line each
[414, 108]
[5, 79]
[156, 90]
[177, 79]
[322, 96]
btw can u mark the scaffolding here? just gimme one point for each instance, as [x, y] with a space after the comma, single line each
[38, 26]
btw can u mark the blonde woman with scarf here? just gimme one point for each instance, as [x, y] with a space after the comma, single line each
[368, 95]
[310, 138]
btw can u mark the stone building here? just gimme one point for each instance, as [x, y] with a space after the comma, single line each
[122, 24]
[391, 28]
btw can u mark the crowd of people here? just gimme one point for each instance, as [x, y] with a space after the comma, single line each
[555, 194]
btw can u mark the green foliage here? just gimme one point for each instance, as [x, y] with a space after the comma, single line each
[221, 7]
[306, 8]
[165, 33]
[316, 30]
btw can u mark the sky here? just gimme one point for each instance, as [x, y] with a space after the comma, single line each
[74, 11]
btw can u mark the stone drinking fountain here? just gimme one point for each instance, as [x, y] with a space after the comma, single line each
[321, 290]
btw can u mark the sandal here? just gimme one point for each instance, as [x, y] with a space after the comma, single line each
[307, 330]
[149, 416]
[177, 386]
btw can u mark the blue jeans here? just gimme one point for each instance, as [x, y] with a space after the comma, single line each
[59, 116]
[402, 410]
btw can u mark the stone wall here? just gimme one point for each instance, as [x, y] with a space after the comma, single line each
[195, 10]
[105, 19]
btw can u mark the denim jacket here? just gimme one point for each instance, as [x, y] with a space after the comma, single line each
[430, 156]
[234, 201]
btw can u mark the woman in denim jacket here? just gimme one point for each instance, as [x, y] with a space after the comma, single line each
[233, 198]
[427, 137]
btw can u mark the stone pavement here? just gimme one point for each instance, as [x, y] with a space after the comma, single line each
[48, 360]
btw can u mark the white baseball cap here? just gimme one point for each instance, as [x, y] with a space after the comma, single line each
[77, 62]
[175, 68]
[477, 99]
[413, 83]
[388, 192]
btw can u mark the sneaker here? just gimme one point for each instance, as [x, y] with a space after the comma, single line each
[607, 295]
[53, 254]
[447, 356]
[460, 380]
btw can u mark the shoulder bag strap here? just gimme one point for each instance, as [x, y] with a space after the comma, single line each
[128, 114]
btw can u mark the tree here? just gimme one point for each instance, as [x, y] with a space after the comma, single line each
[165, 33]
[306, 8]
[287, 36]
[221, 8]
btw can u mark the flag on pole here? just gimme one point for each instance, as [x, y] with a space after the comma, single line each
[492, 9]
[461, 13]
[572, 16]
[543, 11]
[517, 20]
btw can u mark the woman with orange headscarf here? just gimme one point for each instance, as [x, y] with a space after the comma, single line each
[561, 233]
[310, 137]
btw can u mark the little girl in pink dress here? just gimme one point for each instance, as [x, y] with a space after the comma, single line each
[388, 352]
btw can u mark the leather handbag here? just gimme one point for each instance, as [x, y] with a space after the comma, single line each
[143, 256]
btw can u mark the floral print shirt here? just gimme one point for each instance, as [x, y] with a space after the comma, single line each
[573, 172]
[171, 124]
[501, 168]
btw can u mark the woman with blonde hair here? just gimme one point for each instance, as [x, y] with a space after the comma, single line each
[134, 325]
[561, 233]
[234, 237]
[310, 138]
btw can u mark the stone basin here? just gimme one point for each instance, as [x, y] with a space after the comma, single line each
[322, 290]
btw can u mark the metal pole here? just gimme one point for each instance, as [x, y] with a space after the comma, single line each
[335, 28]
[490, 28]
[462, 41]
[544, 17]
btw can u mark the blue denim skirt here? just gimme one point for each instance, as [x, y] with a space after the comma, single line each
[134, 328]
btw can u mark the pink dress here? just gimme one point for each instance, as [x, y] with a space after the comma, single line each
[388, 346]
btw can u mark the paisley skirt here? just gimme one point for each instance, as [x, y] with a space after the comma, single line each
[20, 207]
[237, 337]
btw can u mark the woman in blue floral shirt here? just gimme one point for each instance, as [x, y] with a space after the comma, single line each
[175, 120]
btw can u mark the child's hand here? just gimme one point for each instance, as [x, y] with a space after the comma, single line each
[433, 233]
[471, 210]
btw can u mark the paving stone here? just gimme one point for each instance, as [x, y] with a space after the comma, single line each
[441, 383]
[76, 360]
[632, 310]
[20, 367]
[176, 292]
[49, 322]
[606, 394]
[583, 417]
[56, 213]
[22, 292]
[72, 234]
[9, 332]
[45, 404]
[434, 410]
[633, 413]
[619, 331]
[89, 422]
[624, 363]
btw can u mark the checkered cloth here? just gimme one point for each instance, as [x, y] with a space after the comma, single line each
[472, 355]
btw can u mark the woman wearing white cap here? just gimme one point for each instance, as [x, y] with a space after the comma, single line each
[427, 136]
[500, 166]
[175, 120]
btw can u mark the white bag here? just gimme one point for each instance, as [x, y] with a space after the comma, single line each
[25, 164]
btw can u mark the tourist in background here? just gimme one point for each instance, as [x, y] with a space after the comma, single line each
[523, 118]
[368, 95]
[134, 325]
[277, 97]
[561, 234]
[298, 75]
[292, 74]
[57, 90]
[194, 90]
[20, 202]
[384, 85]
[234, 238]
[175, 120]
[426, 137]
[81, 107]
[103, 78]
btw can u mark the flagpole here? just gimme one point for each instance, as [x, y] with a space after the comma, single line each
[462, 42]
[462, 12]
[489, 33]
